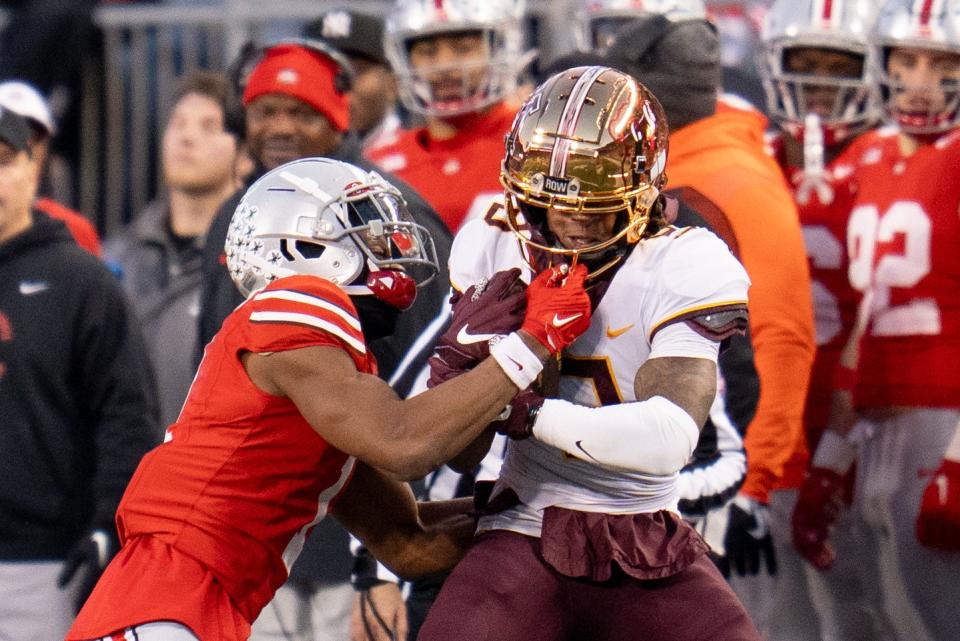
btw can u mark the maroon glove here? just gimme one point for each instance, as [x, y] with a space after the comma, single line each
[518, 424]
[938, 523]
[486, 310]
[818, 507]
[558, 307]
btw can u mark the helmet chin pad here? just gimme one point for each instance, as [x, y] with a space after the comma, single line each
[393, 287]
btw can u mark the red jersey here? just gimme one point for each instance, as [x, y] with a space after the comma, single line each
[241, 477]
[903, 239]
[824, 226]
[80, 227]
[460, 176]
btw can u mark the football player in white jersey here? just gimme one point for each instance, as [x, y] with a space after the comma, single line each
[583, 521]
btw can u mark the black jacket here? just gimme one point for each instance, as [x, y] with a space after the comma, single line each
[77, 402]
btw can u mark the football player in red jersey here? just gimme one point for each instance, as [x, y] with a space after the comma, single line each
[457, 64]
[821, 94]
[286, 421]
[900, 423]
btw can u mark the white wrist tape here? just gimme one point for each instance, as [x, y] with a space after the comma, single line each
[654, 436]
[834, 452]
[517, 360]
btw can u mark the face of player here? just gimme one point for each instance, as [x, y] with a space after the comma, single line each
[575, 230]
[18, 188]
[373, 95]
[828, 64]
[281, 128]
[198, 154]
[920, 77]
[454, 65]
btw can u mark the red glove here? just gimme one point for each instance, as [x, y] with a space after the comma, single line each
[818, 507]
[487, 309]
[938, 524]
[518, 424]
[558, 307]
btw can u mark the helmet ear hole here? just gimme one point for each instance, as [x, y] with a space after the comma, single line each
[310, 250]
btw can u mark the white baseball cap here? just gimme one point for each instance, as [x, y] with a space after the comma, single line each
[24, 100]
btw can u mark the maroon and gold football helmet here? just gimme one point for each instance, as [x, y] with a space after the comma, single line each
[589, 140]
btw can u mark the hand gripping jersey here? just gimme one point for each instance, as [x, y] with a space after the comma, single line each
[459, 177]
[671, 276]
[903, 235]
[241, 477]
[824, 226]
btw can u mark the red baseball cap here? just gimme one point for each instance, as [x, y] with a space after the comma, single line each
[302, 73]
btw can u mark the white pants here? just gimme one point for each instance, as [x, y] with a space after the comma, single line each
[32, 607]
[295, 614]
[157, 631]
[920, 587]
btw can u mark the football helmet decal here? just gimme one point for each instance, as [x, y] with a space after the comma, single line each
[842, 26]
[589, 140]
[333, 220]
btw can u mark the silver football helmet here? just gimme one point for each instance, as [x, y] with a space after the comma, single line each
[840, 25]
[597, 22]
[329, 219]
[919, 24]
[481, 83]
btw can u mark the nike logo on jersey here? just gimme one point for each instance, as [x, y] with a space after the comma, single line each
[31, 287]
[464, 337]
[588, 455]
[560, 322]
[613, 333]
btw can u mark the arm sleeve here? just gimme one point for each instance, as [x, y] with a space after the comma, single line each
[118, 391]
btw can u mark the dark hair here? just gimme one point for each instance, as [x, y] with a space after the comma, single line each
[210, 84]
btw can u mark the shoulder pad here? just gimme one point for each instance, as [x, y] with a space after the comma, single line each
[302, 311]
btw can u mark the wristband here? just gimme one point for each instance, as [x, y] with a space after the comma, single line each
[844, 378]
[517, 360]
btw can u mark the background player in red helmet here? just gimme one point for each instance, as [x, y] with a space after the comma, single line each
[900, 421]
[286, 420]
[456, 64]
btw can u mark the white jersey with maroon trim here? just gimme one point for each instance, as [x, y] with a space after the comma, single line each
[676, 274]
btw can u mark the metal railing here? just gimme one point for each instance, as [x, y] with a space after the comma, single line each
[148, 49]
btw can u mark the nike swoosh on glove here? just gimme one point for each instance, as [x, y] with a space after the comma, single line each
[748, 542]
[818, 507]
[517, 419]
[486, 311]
[88, 557]
[558, 307]
[938, 523]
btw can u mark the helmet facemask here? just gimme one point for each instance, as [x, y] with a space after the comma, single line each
[940, 117]
[589, 141]
[328, 219]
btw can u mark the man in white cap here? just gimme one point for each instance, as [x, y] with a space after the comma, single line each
[24, 100]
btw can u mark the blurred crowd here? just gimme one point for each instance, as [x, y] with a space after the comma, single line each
[818, 139]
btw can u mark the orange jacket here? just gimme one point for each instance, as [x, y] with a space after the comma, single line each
[80, 227]
[719, 166]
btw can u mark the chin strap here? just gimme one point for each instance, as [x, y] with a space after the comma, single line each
[393, 287]
[814, 174]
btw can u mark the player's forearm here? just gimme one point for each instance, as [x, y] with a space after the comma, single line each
[432, 428]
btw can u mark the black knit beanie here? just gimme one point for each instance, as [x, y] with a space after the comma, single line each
[678, 61]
